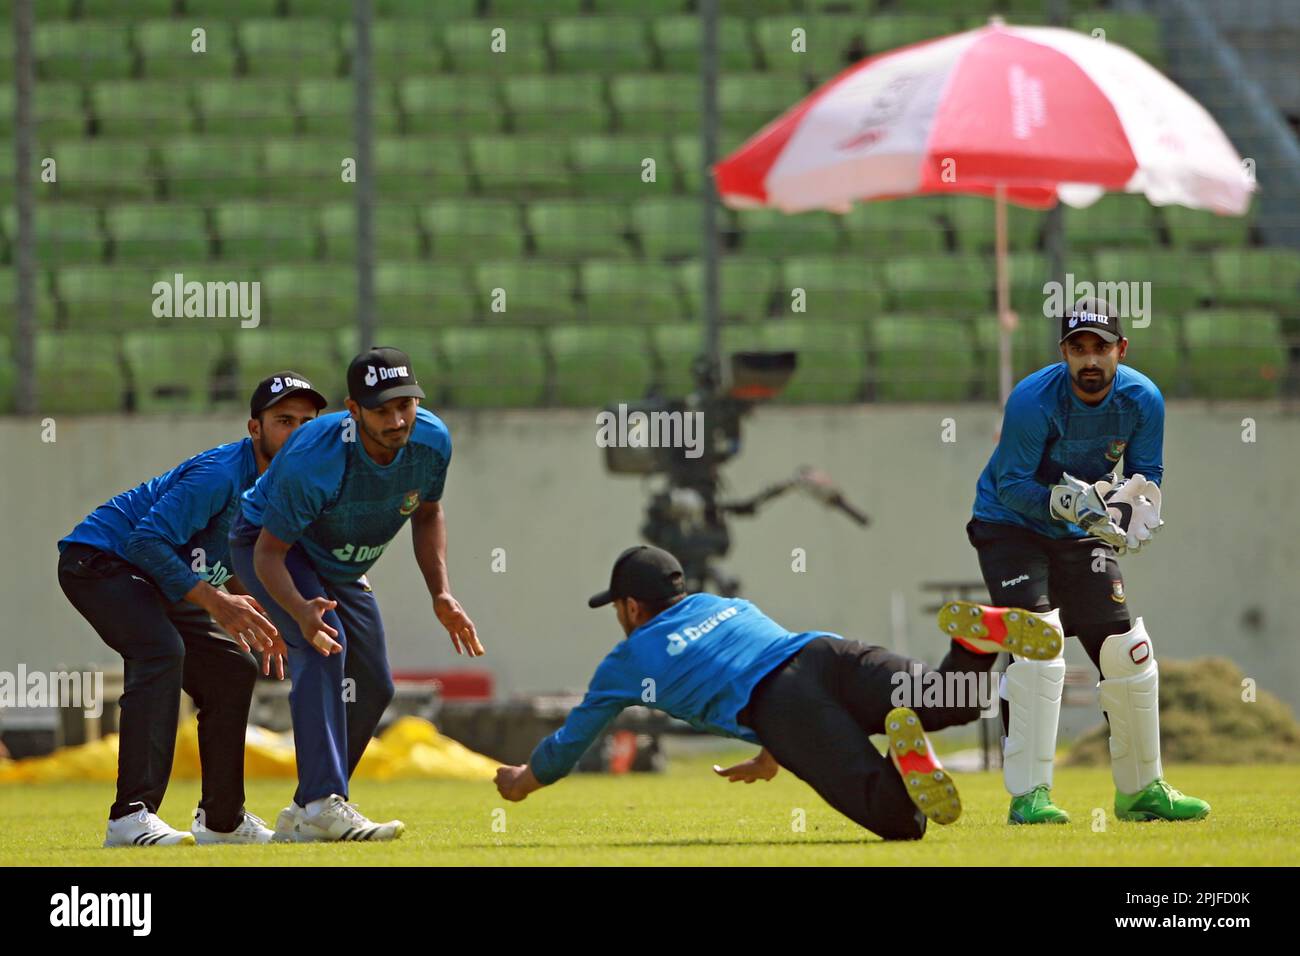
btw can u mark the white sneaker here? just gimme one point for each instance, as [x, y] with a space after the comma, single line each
[339, 820]
[286, 824]
[144, 829]
[251, 829]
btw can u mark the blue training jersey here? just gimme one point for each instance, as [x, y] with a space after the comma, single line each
[1047, 431]
[324, 491]
[174, 527]
[697, 660]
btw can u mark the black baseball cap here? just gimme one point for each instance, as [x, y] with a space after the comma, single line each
[1091, 314]
[278, 387]
[644, 573]
[379, 374]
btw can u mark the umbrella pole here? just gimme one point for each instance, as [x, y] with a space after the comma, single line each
[1006, 321]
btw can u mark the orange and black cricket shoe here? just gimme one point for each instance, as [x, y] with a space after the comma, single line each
[928, 784]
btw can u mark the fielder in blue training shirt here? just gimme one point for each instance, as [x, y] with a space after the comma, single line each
[307, 532]
[1054, 509]
[146, 570]
[811, 699]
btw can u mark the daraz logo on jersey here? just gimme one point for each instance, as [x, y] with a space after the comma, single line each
[350, 552]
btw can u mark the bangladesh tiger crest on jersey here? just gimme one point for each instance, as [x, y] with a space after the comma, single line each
[1116, 450]
[410, 502]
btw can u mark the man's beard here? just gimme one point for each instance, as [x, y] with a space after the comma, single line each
[391, 440]
[1093, 384]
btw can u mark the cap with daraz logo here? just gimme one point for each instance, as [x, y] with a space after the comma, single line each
[281, 385]
[380, 374]
[1091, 314]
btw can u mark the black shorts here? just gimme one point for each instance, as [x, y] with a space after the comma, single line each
[1080, 576]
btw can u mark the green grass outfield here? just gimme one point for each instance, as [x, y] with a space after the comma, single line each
[688, 817]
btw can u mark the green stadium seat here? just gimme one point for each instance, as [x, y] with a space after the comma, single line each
[896, 226]
[771, 232]
[1197, 229]
[669, 228]
[474, 229]
[676, 346]
[124, 297]
[688, 158]
[65, 234]
[401, 48]
[525, 292]
[157, 232]
[261, 351]
[679, 40]
[922, 359]
[327, 108]
[891, 31]
[1264, 277]
[103, 171]
[494, 368]
[78, 372]
[531, 8]
[600, 44]
[1178, 281]
[415, 169]
[308, 169]
[1028, 272]
[396, 233]
[1139, 32]
[827, 40]
[1235, 354]
[623, 292]
[108, 9]
[205, 169]
[47, 307]
[656, 102]
[644, 8]
[973, 219]
[846, 290]
[60, 114]
[754, 7]
[496, 45]
[152, 110]
[952, 284]
[575, 228]
[559, 104]
[1155, 350]
[749, 101]
[309, 297]
[172, 370]
[452, 105]
[167, 48]
[79, 51]
[745, 288]
[424, 293]
[257, 232]
[246, 108]
[612, 166]
[1114, 220]
[100, 298]
[440, 10]
[290, 48]
[522, 165]
[232, 9]
[597, 366]
[964, 8]
[832, 359]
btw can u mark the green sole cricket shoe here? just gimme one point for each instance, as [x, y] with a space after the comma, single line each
[1036, 806]
[1159, 801]
[991, 630]
[928, 784]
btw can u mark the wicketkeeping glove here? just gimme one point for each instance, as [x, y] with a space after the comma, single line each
[1080, 503]
[1134, 505]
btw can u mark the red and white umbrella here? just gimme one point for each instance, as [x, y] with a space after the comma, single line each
[1025, 114]
[1047, 112]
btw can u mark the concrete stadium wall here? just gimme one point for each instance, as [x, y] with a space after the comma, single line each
[1219, 579]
